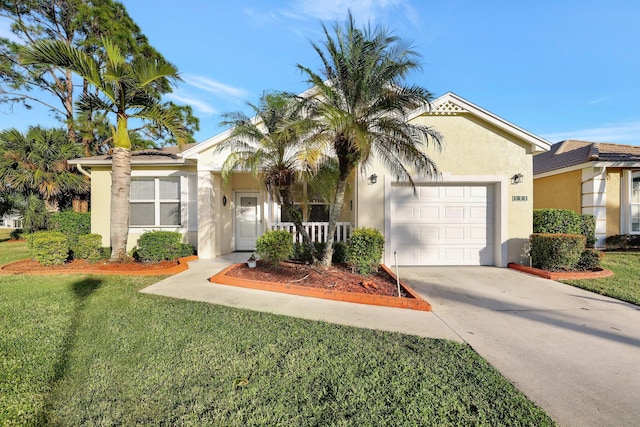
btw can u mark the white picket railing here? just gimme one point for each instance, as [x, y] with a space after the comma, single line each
[317, 230]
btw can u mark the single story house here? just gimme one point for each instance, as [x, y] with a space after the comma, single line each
[595, 178]
[11, 221]
[478, 212]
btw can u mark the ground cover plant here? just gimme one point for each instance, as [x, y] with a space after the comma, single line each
[623, 285]
[92, 350]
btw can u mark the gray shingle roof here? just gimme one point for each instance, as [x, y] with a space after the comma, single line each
[146, 155]
[572, 152]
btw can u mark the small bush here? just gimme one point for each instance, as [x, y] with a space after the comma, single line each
[48, 247]
[156, 246]
[365, 250]
[556, 251]
[589, 260]
[588, 228]
[339, 253]
[275, 246]
[89, 247]
[71, 224]
[16, 234]
[622, 242]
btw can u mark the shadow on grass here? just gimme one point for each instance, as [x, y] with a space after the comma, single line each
[82, 290]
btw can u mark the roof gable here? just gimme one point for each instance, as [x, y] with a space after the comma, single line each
[451, 104]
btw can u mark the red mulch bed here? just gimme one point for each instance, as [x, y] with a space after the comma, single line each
[335, 278]
[79, 266]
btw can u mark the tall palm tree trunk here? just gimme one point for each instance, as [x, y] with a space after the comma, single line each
[120, 187]
[334, 215]
[296, 218]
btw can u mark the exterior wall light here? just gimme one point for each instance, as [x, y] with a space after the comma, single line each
[224, 200]
[517, 178]
[373, 179]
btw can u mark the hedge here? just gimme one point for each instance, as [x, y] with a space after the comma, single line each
[364, 250]
[48, 247]
[156, 246]
[275, 246]
[554, 252]
[71, 224]
[564, 221]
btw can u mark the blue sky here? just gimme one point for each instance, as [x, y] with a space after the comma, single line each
[560, 69]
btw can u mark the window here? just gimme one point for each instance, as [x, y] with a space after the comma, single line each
[635, 205]
[155, 202]
[314, 209]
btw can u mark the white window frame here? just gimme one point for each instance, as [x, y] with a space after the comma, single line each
[156, 176]
[630, 204]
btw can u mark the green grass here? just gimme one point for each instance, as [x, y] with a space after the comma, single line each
[623, 285]
[11, 251]
[92, 350]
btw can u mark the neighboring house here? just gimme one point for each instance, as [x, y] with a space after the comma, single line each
[592, 178]
[477, 213]
[11, 221]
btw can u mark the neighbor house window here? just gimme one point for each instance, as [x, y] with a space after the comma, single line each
[635, 205]
[155, 202]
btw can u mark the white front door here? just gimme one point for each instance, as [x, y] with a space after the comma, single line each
[247, 209]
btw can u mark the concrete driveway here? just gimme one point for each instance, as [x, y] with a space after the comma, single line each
[575, 353]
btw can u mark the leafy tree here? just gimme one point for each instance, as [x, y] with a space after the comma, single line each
[361, 105]
[77, 23]
[128, 89]
[272, 145]
[36, 163]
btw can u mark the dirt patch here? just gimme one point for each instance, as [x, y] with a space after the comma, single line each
[336, 283]
[335, 278]
[80, 266]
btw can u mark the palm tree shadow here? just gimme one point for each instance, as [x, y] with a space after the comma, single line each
[82, 291]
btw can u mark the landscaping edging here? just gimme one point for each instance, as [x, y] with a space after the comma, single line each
[180, 267]
[561, 275]
[414, 302]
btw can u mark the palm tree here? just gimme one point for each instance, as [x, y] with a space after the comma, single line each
[126, 89]
[361, 104]
[271, 145]
[36, 163]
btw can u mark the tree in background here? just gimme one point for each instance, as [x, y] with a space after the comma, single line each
[33, 165]
[128, 88]
[80, 24]
[361, 107]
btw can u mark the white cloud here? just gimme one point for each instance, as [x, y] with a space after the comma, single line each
[197, 104]
[626, 132]
[214, 87]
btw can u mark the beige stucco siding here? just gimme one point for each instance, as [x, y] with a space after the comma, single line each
[101, 203]
[473, 152]
[562, 191]
[614, 177]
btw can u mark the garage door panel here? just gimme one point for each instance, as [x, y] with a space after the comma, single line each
[442, 225]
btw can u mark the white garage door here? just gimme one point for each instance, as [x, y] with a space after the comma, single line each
[442, 224]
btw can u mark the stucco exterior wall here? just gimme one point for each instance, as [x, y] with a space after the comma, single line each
[562, 191]
[101, 204]
[614, 177]
[473, 152]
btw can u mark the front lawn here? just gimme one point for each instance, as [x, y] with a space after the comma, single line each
[11, 250]
[92, 350]
[625, 282]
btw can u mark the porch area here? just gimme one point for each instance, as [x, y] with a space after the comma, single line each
[318, 231]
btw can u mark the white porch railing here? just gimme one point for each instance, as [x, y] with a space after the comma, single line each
[317, 230]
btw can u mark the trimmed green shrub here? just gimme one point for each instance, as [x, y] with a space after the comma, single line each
[339, 253]
[156, 246]
[364, 250]
[48, 247]
[588, 228]
[556, 251]
[71, 224]
[552, 221]
[89, 247]
[275, 246]
[589, 259]
[622, 242]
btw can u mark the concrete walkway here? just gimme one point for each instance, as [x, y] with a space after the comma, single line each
[575, 353]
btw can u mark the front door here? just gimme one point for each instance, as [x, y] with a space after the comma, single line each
[247, 208]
